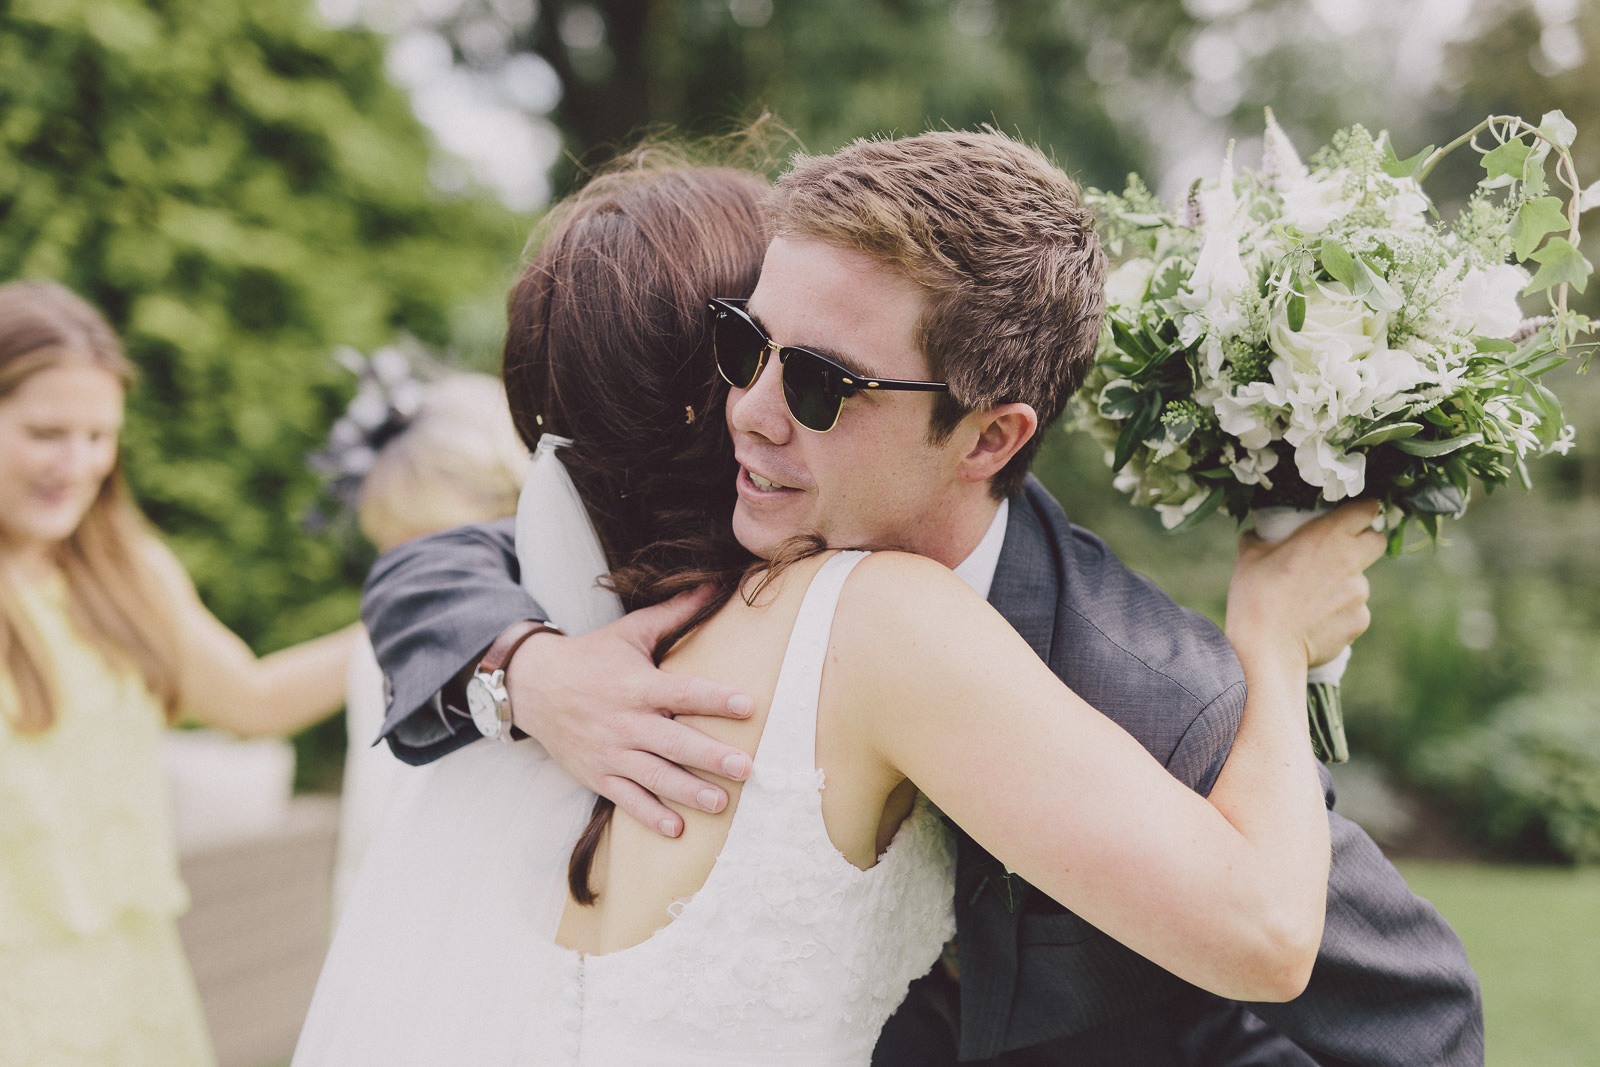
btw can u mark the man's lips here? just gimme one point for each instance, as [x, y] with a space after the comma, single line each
[750, 480]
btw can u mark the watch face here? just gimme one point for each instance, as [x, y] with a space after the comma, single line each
[481, 703]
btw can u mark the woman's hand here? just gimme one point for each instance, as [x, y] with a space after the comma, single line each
[1309, 590]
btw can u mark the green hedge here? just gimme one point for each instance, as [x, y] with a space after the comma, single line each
[240, 189]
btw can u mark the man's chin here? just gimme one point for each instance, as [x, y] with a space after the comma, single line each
[758, 538]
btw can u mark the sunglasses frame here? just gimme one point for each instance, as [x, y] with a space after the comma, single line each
[848, 381]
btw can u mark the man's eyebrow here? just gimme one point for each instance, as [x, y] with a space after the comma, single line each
[849, 363]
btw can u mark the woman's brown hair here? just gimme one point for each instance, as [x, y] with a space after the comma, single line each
[609, 344]
[112, 596]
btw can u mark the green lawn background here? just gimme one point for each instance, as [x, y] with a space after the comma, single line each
[1533, 935]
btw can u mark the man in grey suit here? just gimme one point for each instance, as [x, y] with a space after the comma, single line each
[983, 246]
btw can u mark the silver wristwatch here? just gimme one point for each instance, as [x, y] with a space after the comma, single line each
[486, 689]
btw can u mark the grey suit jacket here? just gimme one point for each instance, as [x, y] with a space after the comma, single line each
[1391, 985]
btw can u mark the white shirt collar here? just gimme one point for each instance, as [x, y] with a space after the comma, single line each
[977, 570]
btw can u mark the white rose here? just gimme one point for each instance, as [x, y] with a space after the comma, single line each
[1487, 303]
[1339, 326]
[1129, 284]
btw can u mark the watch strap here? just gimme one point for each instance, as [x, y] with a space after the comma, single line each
[510, 639]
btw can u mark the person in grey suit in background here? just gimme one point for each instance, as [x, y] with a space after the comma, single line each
[1006, 319]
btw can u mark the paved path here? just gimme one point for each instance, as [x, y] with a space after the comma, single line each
[257, 931]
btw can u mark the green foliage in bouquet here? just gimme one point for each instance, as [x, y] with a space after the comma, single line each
[1300, 335]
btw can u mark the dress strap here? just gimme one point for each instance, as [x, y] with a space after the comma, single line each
[789, 740]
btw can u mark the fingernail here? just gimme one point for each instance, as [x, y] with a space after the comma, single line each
[711, 800]
[736, 767]
[739, 704]
[668, 828]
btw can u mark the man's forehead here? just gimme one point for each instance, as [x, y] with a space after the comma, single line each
[840, 303]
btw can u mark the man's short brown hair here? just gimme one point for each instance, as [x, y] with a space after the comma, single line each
[998, 236]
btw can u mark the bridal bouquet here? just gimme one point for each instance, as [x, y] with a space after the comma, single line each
[1298, 335]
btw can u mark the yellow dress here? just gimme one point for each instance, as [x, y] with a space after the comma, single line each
[91, 969]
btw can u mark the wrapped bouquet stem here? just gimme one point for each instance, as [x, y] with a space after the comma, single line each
[1298, 335]
[1324, 709]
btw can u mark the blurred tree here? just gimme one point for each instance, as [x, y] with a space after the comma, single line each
[240, 189]
[831, 70]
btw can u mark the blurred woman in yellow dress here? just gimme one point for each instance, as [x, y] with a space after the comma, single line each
[103, 641]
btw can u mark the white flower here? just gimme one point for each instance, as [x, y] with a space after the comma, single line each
[1246, 415]
[1337, 473]
[1311, 205]
[1487, 301]
[1407, 205]
[1219, 275]
[1128, 285]
[1253, 468]
[1338, 327]
[1388, 377]
[1173, 514]
[1279, 160]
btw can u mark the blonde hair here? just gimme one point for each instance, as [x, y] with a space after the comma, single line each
[459, 460]
[113, 597]
[999, 238]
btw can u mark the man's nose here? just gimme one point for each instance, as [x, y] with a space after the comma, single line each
[760, 409]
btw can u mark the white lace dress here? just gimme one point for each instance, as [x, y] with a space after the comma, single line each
[787, 955]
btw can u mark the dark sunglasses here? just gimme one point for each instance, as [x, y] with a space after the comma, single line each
[814, 386]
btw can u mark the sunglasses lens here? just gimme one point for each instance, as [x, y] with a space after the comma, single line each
[739, 346]
[812, 390]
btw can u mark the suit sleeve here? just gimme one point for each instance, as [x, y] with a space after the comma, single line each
[1392, 985]
[433, 606]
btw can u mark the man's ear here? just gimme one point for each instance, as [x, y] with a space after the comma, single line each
[997, 433]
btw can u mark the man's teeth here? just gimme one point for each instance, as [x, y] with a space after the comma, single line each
[763, 483]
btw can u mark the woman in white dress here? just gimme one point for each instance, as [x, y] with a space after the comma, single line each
[786, 928]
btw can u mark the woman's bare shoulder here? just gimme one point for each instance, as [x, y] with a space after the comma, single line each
[904, 586]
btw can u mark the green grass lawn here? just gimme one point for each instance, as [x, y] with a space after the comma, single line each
[1533, 935]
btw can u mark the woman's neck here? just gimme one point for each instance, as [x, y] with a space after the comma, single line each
[28, 564]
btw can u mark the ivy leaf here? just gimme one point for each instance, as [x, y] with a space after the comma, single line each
[1396, 167]
[1507, 163]
[1339, 264]
[1559, 263]
[1168, 279]
[1535, 219]
[1119, 400]
[1589, 198]
[1432, 449]
[1558, 128]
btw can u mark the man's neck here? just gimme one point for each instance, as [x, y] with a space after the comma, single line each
[978, 568]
